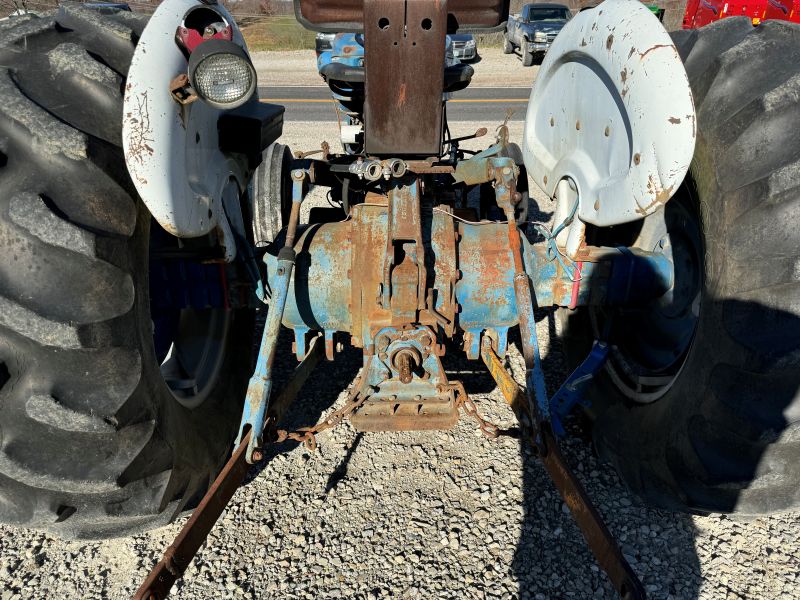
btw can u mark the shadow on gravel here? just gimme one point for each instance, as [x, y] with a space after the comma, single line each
[341, 471]
[552, 559]
[752, 405]
[319, 393]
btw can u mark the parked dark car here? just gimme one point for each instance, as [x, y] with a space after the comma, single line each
[534, 29]
[465, 47]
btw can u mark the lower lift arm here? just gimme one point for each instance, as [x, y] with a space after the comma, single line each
[533, 406]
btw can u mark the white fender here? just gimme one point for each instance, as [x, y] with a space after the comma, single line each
[611, 109]
[175, 162]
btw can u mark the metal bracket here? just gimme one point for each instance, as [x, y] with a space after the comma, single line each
[406, 385]
[572, 390]
[404, 273]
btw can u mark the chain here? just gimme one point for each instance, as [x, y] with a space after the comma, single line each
[308, 435]
[489, 429]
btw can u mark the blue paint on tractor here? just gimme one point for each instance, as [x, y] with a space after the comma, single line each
[571, 392]
[321, 294]
[260, 386]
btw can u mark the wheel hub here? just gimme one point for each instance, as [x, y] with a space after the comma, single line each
[650, 344]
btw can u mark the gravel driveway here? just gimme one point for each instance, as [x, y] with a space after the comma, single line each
[418, 515]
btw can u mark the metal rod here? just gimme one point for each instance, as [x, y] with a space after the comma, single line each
[182, 551]
[594, 530]
[179, 555]
[535, 389]
[260, 385]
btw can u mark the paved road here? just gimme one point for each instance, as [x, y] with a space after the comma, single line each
[473, 104]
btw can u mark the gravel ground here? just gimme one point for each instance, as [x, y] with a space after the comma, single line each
[418, 515]
[299, 67]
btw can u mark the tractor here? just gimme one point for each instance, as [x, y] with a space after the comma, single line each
[150, 218]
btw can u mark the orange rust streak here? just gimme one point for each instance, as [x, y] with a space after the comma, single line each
[401, 98]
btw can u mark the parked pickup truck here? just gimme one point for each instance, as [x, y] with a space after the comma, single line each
[534, 29]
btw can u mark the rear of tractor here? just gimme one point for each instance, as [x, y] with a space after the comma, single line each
[147, 212]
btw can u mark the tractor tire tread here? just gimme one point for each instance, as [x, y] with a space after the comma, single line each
[725, 437]
[91, 442]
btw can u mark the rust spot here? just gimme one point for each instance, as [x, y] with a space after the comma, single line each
[545, 179]
[674, 120]
[401, 98]
[578, 125]
[169, 227]
[656, 47]
[660, 195]
[664, 195]
[561, 289]
[141, 132]
[607, 131]
[637, 158]
[609, 41]
[624, 74]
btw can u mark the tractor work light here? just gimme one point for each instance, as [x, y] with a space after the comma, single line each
[221, 73]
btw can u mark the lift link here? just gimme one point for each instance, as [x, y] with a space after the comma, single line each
[260, 386]
[536, 407]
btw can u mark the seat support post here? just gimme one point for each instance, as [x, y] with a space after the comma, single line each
[404, 59]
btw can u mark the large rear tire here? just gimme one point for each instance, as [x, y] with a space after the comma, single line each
[93, 440]
[698, 408]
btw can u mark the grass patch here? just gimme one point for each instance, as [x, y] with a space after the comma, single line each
[276, 33]
[490, 40]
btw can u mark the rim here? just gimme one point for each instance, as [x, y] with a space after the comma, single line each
[650, 344]
[190, 319]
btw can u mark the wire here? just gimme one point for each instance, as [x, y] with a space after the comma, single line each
[553, 251]
[457, 218]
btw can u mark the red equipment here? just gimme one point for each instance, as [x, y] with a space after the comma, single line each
[703, 12]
